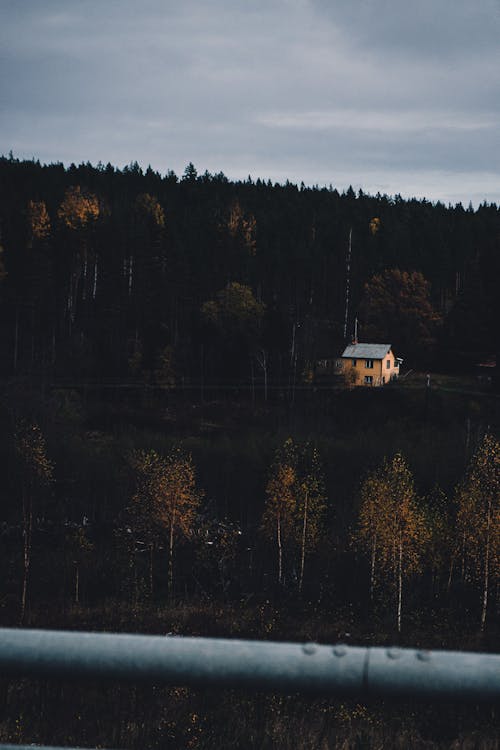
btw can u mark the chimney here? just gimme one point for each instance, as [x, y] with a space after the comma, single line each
[355, 337]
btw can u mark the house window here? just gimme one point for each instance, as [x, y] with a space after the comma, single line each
[369, 364]
[354, 362]
[369, 379]
[388, 364]
[396, 363]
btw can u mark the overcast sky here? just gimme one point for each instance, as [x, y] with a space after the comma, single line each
[396, 96]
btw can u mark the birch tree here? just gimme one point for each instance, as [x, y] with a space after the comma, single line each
[278, 521]
[478, 518]
[165, 501]
[392, 526]
[310, 509]
[36, 473]
[372, 528]
[77, 215]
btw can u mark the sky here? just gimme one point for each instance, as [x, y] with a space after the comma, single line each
[390, 96]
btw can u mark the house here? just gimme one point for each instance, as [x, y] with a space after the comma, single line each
[368, 364]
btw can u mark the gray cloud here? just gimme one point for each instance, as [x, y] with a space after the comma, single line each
[373, 93]
[435, 29]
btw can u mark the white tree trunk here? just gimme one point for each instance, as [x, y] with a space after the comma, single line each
[280, 551]
[304, 533]
[400, 582]
[372, 571]
[77, 584]
[486, 579]
[171, 559]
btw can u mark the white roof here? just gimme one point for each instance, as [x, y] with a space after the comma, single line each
[366, 351]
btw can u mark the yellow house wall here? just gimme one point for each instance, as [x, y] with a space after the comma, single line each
[378, 371]
[393, 370]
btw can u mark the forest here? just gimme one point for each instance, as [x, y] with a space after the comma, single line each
[175, 461]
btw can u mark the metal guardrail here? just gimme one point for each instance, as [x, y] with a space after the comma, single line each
[289, 667]
[349, 670]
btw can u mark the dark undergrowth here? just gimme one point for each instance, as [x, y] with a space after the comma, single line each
[138, 716]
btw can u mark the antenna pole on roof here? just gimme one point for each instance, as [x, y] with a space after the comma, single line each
[347, 282]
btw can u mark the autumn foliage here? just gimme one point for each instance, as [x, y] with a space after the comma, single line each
[396, 308]
[78, 209]
[392, 526]
[166, 500]
[478, 518]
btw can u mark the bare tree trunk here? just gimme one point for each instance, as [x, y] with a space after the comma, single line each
[304, 532]
[291, 374]
[347, 283]
[467, 437]
[151, 569]
[171, 559]
[253, 381]
[202, 373]
[94, 285]
[54, 347]
[136, 582]
[16, 339]
[486, 579]
[27, 534]
[280, 550]
[372, 571]
[77, 584]
[450, 576]
[400, 582]
[463, 557]
[84, 284]
[33, 316]
[130, 274]
[262, 360]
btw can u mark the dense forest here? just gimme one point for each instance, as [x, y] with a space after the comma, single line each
[125, 274]
[174, 461]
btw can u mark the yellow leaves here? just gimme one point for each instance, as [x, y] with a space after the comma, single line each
[242, 226]
[374, 225]
[280, 488]
[478, 501]
[78, 209]
[281, 491]
[373, 496]
[147, 207]
[294, 488]
[390, 515]
[166, 490]
[38, 220]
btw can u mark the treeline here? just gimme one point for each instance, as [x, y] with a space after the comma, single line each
[164, 540]
[133, 275]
